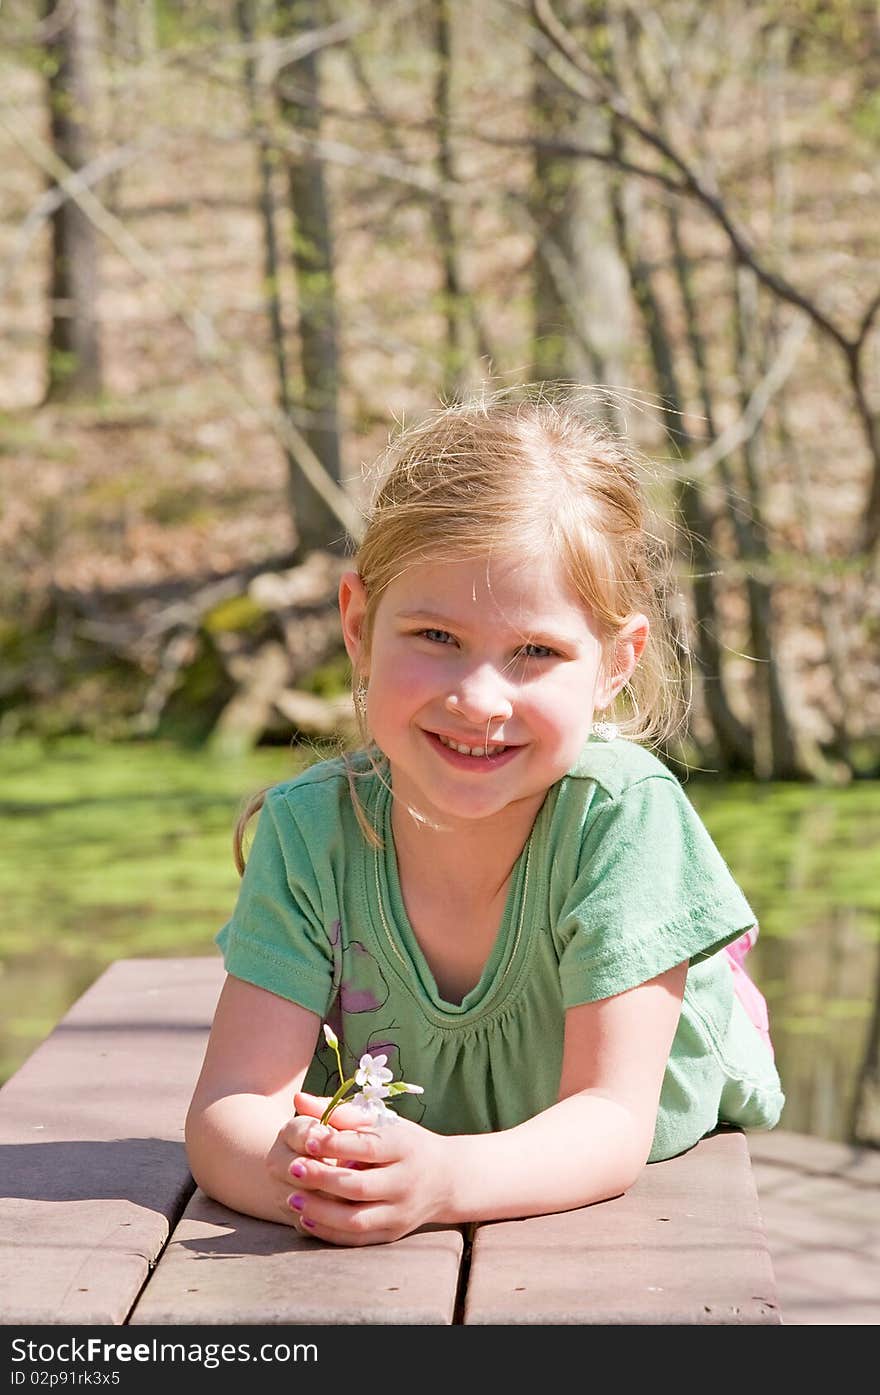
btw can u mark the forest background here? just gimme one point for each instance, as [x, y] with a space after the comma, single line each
[242, 241]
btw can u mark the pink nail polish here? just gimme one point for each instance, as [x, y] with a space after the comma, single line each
[297, 1170]
[296, 1201]
[310, 1224]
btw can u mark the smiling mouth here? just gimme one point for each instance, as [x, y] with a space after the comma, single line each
[488, 752]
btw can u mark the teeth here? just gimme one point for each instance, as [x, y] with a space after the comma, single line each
[471, 750]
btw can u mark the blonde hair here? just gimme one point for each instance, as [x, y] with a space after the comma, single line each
[529, 471]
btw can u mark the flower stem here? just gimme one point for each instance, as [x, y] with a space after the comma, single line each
[337, 1098]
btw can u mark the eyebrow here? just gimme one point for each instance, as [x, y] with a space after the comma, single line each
[427, 615]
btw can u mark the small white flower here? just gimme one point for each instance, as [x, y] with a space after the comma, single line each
[376, 1083]
[374, 1107]
[372, 1092]
[384, 1115]
[372, 1071]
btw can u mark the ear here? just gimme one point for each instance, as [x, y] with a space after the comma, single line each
[627, 650]
[352, 610]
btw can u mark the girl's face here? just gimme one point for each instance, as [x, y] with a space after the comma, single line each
[483, 677]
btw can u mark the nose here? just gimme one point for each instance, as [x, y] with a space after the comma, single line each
[481, 695]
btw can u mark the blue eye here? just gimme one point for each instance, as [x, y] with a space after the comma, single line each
[437, 636]
[537, 651]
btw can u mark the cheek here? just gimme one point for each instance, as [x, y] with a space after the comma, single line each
[405, 681]
[564, 711]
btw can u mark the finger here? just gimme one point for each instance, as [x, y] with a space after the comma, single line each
[292, 1215]
[342, 1237]
[287, 1154]
[341, 1223]
[313, 1105]
[309, 1173]
[370, 1225]
[364, 1146]
[297, 1130]
[305, 1228]
[304, 1134]
[308, 1178]
[344, 1116]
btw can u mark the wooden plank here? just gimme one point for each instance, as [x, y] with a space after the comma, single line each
[859, 1166]
[820, 1201]
[95, 1177]
[684, 1246]
[225, 1268]
[91, 1128]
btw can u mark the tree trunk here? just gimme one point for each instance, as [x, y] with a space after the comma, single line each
[455, 357]
[466, 337]
[312, 255]
[74, 347]
[776, 745]
[733, 741]
[246, 20]
[865, 1121]
[570, 280]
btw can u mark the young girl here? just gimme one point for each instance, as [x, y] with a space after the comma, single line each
[511, 901]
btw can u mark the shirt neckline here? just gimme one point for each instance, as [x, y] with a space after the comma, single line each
[399, 942]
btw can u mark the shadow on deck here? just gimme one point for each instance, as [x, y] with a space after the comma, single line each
[820, 1202]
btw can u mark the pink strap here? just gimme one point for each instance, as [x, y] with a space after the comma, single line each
[749, 995]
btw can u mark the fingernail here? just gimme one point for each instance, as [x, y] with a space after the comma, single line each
[355, 1165]
[312, 1145]
[297, 1170]
[296, 1201]
[310, 1224]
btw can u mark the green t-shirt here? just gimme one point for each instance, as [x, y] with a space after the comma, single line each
[619, 881]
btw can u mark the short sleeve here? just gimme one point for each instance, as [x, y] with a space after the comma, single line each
[651, 891]
[276, 937]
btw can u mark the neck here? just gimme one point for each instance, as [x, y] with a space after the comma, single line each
[472, 856]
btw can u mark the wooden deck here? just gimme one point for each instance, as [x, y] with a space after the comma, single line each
[100, 1223]
[820, 1203]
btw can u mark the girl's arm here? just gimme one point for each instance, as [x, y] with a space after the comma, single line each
[592, 1144]
[258, 1052]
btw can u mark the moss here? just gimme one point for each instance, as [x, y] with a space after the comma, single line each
[203, 690]
[330, 679]
[237, 615]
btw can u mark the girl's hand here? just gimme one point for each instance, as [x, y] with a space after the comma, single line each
[354, 1183]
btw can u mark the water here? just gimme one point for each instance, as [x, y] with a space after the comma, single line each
[118, 850]
[807, 859]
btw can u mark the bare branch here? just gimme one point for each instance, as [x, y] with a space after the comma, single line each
[577, 151]
[341, 153]
[193, 316]
[591, 83]
[867, 321]
[745, 426]
[86, 178]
